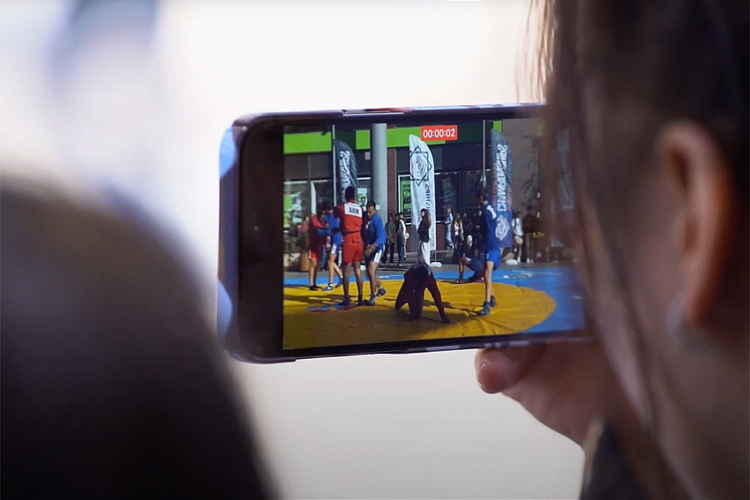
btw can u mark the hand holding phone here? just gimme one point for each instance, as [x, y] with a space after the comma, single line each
[565, 385]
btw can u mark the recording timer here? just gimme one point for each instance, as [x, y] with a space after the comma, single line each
[440, 133]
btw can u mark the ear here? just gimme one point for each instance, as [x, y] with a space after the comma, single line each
[699, 174]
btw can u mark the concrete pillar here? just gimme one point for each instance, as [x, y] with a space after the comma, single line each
[379, 149]
[393, 186]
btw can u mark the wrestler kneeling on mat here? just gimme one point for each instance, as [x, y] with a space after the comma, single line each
[416, 280]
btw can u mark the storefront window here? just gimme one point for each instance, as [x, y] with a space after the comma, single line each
[364, 193]
[323, 191]
[447, 187]
[296, 202]
[472, 185]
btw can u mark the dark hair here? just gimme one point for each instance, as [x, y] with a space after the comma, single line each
[426, 217]
[623, 69]
[483, 194]
[350, 193]
[390, 216]
[370, 204]
[326, 206]
[112, 384]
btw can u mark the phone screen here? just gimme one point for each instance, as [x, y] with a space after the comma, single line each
[433, 230]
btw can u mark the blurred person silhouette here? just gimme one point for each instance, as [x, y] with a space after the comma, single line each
[112, 384]
[647, 112]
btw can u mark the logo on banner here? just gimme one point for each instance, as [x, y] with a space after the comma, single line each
[422, 166]
[502, 227]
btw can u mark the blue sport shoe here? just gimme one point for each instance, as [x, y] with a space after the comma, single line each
[485, 310]
[493, 302]
[381, 292]
[346, 303]
[328, 288]
[370, 302]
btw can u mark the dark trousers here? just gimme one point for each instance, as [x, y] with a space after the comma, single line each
[389, 247]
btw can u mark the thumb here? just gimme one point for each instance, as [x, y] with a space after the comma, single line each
[500, 369]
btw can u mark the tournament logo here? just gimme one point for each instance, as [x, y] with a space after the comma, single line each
[502, 228]
[421, 166]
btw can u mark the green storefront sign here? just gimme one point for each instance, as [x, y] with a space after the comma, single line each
[405, 191]
[320, 142]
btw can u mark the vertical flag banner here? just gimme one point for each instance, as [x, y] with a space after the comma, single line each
[502, 187]
[422, 170]
[346, 167]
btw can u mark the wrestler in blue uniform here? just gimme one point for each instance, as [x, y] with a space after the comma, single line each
[489, 245]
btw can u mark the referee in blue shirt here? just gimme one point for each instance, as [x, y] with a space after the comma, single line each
[374, 244]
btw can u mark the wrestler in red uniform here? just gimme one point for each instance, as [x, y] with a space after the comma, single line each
[352, 249]
[316, 232]
[416, 280]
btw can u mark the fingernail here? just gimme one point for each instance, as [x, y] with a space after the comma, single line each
[495, 372]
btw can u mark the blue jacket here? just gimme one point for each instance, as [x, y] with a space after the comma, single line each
[333, 230]
[376, 231]
[488, 229]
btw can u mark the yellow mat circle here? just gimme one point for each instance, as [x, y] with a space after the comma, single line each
[310, 319]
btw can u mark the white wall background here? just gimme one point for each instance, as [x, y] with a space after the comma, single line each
[149, 119]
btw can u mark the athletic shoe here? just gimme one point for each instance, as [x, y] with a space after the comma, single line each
[485, 310]
[381, 292]
[314, 288]
[328, 288]
[370, 302]
[346, 303]
[360, 302]
[493, 302]
[341, 282]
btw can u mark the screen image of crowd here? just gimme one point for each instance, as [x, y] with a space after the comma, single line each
[463, 260]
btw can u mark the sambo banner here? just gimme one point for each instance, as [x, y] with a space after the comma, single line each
[422, 170]
[346, 167]
[502, 187]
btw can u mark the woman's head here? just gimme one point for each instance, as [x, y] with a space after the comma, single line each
[647, 105]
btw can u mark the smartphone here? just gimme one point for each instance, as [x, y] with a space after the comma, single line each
[404, 209]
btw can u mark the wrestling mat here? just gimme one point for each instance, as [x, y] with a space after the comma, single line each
[314, 319]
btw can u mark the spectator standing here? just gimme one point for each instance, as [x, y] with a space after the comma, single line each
[448, 232]
[401, 237]
[390, 242]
